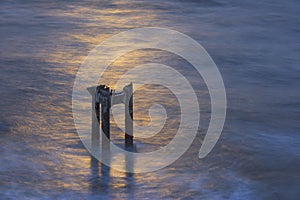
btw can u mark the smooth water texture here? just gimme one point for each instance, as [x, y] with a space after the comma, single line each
[256, 47]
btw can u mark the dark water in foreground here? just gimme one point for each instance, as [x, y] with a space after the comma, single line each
[256, 47]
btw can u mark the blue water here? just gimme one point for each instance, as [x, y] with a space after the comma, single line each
[256, 47]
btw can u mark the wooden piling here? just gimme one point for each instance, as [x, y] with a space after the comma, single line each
[128, 117]
[104, 98]
[95, 120]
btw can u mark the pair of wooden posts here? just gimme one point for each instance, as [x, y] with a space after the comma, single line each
[102, 100]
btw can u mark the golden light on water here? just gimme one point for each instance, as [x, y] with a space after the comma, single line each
[65, 57]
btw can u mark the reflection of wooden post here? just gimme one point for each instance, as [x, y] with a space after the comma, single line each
[128, 116]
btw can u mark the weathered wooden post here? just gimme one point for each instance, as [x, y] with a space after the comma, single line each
[103, 99]
[95, 119]
[95, 141]
[128, 116]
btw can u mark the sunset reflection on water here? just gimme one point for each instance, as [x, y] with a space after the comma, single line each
[44, 43]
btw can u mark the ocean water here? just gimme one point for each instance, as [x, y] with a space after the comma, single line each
[256, 47]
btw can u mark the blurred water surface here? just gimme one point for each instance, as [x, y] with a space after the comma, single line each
[256, 47]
